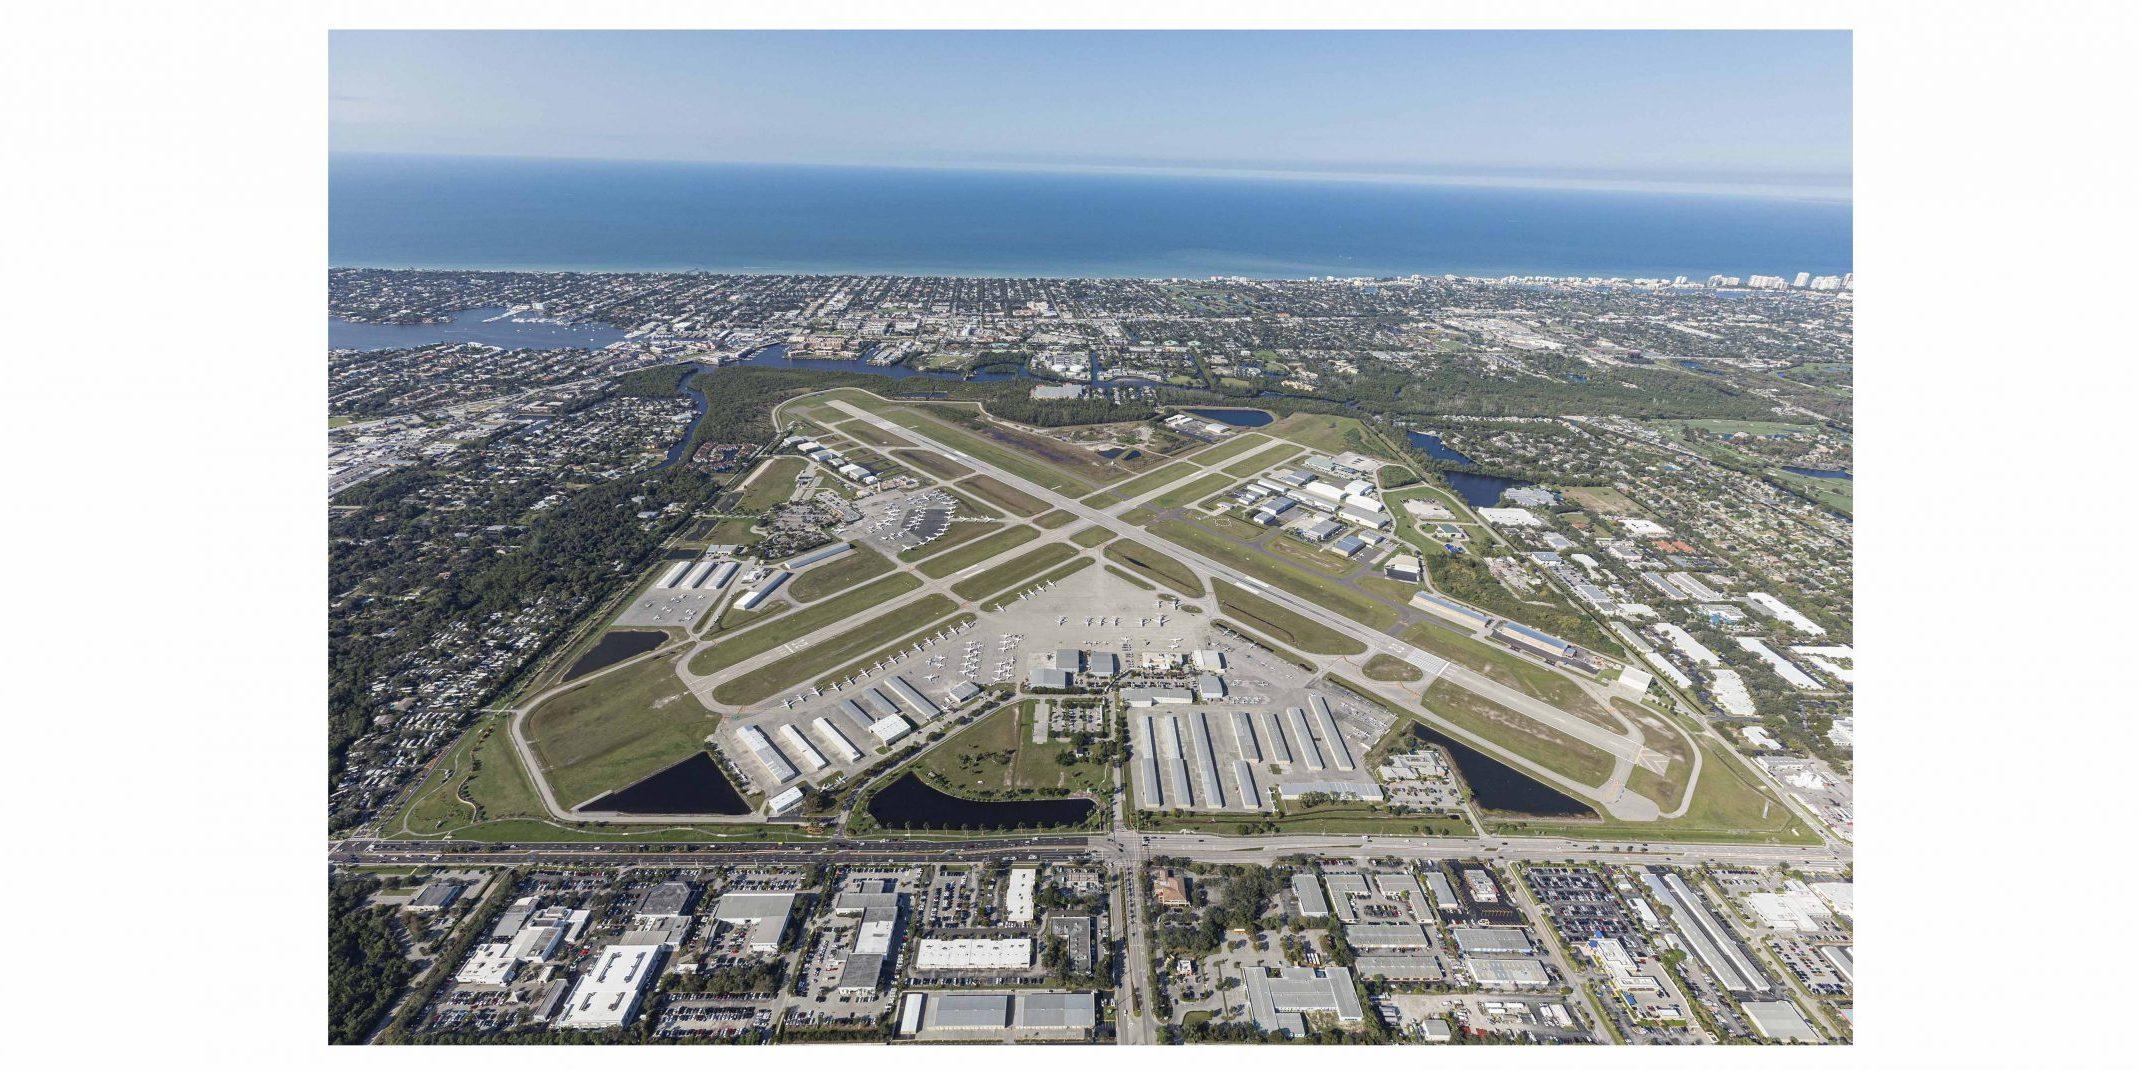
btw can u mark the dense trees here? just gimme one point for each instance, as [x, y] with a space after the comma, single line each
[365, 965]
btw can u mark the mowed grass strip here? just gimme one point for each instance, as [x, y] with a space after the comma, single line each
[741, 646]
[1229, 449]
[1283, 624]
[1504, 667]
[1092, 536]
[832, 577]
[1193, 491]
[973, 553]
[935, 464]
[1141, 558]
[863, 431]
[1025, 455]
[997, 492]
[796, 669]
[1056, 519]
[1278, 454]
[617, 728]
[771, 485]
[1003, 576]
[1321, 590]
[1144, 484]
[962, 531]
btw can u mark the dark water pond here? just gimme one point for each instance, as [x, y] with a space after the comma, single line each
[1478, 490]
[614, 647]
[1498, 787]
[695, 785]
[1236, 417]
[1817, 473]
[1436, 448]
[910, 803]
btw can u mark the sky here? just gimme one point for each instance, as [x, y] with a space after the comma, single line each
[1738, 111]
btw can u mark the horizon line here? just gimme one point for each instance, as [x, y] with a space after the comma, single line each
[1824, 193]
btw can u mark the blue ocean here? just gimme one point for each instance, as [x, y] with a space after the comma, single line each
[463, 212]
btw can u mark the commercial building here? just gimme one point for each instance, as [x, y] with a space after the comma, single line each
[1055, 1010]
[1450, 611]
[1534, 640]
[763, 917]
[1478, 940]
[810, 557]
[835, 739]
[974, 954]
[1770, 605]
[1507, 973]
[769, 756]
[1779, 1019]
[784, 802]
[1309, 892]
[1048, 679]
[1282, 1003]
[914, 699]
[607, 996]
[1018, 895]
[752, 598]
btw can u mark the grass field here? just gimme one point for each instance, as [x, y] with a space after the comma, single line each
[1283, 624]
[1042, 461]
[974, 552]
[1144, 484]
[1240, 443]
[964, 531]
[800, 667]
[996, 754]
[1278, 573]
[1143, 559]
[1728, 807]
[1055, 519]
[1832, 494]
[770, 485]
[617, 728]
[1391, 670]
[1548, 746]
[481, 766]
[1603, 500]
[857, 565]
[1331, 434]
[1501, 666]
[996, 492]
[869, 434]
[1262, 459]
[742, 646]
[1008, 574]
[935, 464]
[1193, 491]
[734, 531]
[1131, 578]
[1092, 536]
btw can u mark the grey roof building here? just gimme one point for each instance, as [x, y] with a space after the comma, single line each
[955, 1010]
[669, 899]
[1056, 1010]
